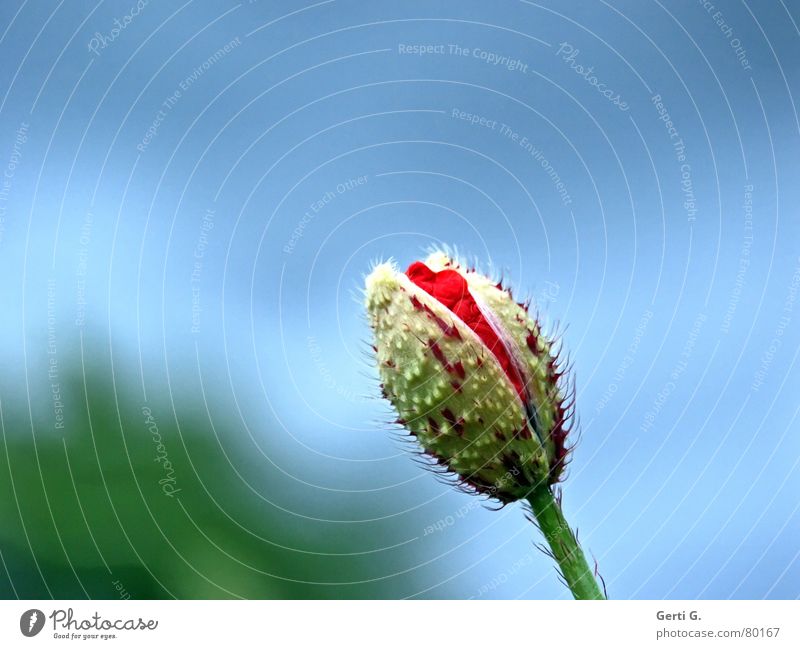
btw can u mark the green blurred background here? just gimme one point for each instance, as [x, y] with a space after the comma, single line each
[88, 515]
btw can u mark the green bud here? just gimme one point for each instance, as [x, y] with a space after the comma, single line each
[470, 374]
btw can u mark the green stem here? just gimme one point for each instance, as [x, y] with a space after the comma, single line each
[564, 545]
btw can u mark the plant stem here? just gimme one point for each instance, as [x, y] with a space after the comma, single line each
[563, 545]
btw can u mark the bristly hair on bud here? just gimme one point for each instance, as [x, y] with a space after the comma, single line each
[471, 375]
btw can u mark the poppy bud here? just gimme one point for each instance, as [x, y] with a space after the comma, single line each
[470, 374]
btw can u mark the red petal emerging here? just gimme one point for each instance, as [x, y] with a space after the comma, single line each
[450, 288]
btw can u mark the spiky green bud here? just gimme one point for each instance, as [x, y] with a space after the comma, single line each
[470, 374]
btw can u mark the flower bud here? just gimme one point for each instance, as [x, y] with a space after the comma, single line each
[470, 375]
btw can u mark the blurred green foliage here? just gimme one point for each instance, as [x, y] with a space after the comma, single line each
[85, 513]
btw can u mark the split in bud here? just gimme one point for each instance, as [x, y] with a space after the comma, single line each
[470, 374]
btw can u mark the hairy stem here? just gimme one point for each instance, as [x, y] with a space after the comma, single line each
[563, 545]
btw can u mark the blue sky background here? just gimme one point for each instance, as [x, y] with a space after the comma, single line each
[675, 280]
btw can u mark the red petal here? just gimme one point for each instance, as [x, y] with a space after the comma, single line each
[451, 289]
